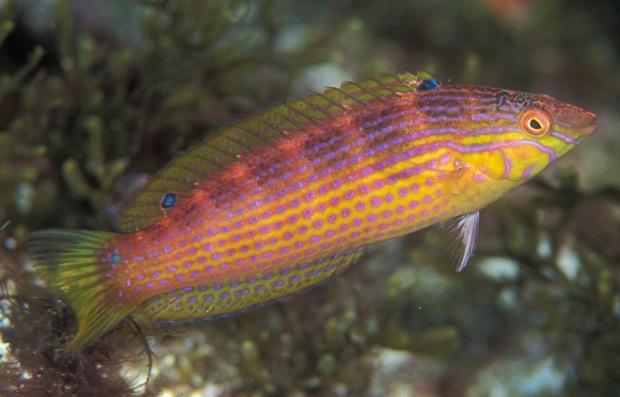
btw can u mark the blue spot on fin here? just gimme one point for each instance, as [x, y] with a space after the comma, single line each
[429, 84]
[168, 201]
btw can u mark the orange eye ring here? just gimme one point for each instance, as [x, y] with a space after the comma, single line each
[536, 122]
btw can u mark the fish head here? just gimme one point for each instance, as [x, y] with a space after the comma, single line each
[522, 133]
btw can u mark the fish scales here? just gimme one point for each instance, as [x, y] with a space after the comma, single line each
[320, 214]
[310, 210]
[282, 201]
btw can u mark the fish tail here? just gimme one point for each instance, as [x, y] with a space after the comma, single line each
[74, 263]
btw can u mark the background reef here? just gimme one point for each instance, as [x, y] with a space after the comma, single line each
[97, 95]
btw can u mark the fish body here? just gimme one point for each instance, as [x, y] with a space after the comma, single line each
[283, 200]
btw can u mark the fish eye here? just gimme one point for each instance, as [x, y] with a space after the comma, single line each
[536, 122]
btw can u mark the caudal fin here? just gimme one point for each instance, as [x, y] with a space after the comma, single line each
[73, 262]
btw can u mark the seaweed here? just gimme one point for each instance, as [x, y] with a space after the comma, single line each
[83, 104]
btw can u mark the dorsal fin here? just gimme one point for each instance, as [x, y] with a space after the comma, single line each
[222, 148]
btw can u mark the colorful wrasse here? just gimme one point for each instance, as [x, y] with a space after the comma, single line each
[283, 200]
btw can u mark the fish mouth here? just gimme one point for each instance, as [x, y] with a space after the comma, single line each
[588, 126]
[581, 122]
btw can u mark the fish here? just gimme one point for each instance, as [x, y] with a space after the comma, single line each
[283, 200]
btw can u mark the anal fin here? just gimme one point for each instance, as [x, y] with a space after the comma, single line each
[216, 300]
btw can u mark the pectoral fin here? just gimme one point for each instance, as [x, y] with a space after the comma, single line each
[464, 230]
